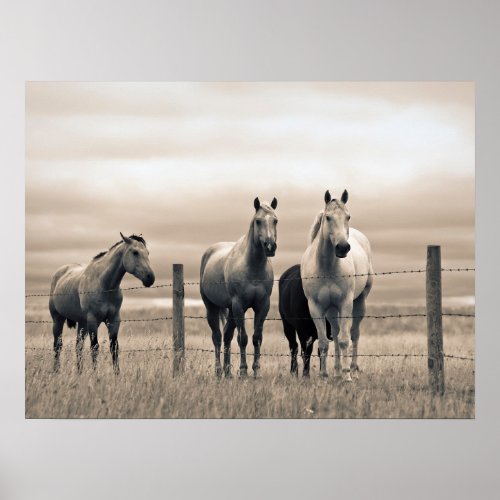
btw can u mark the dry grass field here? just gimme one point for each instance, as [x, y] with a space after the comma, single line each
[388, 387]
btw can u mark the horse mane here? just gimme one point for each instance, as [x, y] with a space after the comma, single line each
[315, 227]
[136, 237]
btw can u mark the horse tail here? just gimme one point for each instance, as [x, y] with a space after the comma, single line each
[70, 323]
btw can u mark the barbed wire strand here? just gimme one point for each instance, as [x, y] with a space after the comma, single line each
[371, 316]
[187, 283]
[277, 355]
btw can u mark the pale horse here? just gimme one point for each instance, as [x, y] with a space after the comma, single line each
[86, 296]
[235, 277]
[337, 275]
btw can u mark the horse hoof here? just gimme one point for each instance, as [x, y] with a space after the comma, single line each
[324, 376]
[228, 374]
[243, 374]
[256, 374]
[347, 377]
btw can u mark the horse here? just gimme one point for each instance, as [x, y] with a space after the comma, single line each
[296, 318]
[236, 276]
[337, 275]
[86, 296]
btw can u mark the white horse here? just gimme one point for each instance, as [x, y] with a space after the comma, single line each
[235, 277]
[336, 253]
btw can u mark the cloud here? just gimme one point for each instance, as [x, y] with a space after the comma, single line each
[390, 128]
[181, 164]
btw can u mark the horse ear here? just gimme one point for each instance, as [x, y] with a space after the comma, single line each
[256, 204]
[328, 197]
[345, 196]
[126, 239]
[274, 203]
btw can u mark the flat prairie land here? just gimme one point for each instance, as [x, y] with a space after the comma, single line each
[388, 386]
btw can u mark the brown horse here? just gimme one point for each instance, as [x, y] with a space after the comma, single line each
[86, 296]
[235, 277]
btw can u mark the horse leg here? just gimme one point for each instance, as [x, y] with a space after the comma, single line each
[358, 311]
[319, 322]
[92, 326]
[57, 328]
[291, 336]
[239, 318]
[307, 348]
[345, 322]
[334, 324]
[113, 328]
[213, 318]
[81, 332]
[228, 337]
[260, 317]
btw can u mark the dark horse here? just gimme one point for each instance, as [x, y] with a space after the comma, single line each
[296, 318]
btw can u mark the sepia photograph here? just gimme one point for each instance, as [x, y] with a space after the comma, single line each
[250, 250]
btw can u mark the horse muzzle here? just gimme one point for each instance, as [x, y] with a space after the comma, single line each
[342, 249]
[149, 279]
[270, 248]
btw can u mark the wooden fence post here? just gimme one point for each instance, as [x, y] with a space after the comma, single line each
[178, 318]
[434, 320]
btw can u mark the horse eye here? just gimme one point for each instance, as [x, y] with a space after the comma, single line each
[135, 252]
[275, 221]
[258, 221]
[328, 218]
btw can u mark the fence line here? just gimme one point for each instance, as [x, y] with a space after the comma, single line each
[48, 294]
[164, 285]
[435, 355]
[371, 316]
[276, 355]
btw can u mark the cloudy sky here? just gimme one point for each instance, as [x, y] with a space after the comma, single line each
[182, 162]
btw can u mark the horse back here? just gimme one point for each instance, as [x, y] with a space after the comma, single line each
[212, 285]
[362, 259]
[64, 299]
[363, 246]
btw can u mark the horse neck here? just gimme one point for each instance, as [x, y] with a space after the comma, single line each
[112, 268]
[254, 252]
[325, 252]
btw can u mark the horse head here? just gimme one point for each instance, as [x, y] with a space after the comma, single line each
[336, 223]
[136, 259]
[264, 226]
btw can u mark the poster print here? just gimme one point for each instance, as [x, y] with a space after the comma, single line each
[301, 213]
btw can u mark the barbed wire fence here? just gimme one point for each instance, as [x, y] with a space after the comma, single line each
[434, 315]
[331, 276]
